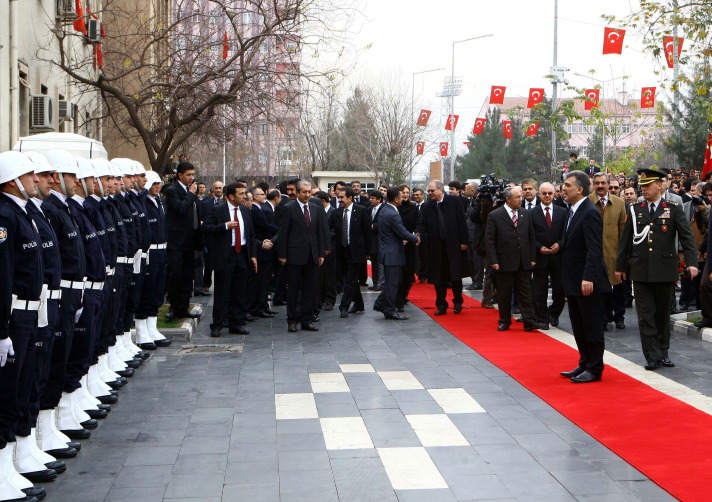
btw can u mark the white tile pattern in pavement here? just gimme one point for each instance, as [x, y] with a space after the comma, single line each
[411, 469]
[456, 401]
[436, 430]
[328, 382]
[345, 433]
[400, 380]
[357, 368]
[295, 406]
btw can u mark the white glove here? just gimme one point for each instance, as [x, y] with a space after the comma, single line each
[78, 315]
[137, 262]
[42, 315]
[5, 350]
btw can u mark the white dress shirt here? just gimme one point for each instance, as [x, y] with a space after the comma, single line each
[347, 215]
[232, 208]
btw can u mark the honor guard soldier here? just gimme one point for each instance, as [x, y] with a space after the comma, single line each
[648, 240]
[20, 292]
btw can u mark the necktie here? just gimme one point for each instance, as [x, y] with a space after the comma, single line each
[603, 203]
[571, 217]
[238, 233]
[529, 207]
[548, 217]
[514, 217]
[441, 222]
[345, 229]
[307, 219]
[652, 209]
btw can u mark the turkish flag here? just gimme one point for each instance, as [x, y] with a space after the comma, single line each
[423, 119]
[443, 149]
[613, 41]
[592, 98]
[669, 44]
[707, 166]
[420, 146]
[479, 125]
[497, 95]
[466, 143]
[451, 122]
[99, 56]
[79, 24]
[507, 129]
[532, 129]
[226, 46]
[647, 97]
[536, 96]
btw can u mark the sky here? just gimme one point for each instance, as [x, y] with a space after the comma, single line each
[417, 35]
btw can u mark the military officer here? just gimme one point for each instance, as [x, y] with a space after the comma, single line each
[649, 240]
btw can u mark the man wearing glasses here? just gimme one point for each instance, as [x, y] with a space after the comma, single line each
[614, 187]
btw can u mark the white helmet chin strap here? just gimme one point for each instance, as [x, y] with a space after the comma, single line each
[101, 187]
[84, 184]
[61, 182]
[22, 189]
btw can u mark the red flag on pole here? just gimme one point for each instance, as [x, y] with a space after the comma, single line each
[647, 97]
[479, 125]
[669, 45]
[507, 132]
[536, 96]
[443, 149]
[79, 24]
[451, 122]
[533, 129]
[497, 95]
[707, 166]
[613, 41]
[226, 46]
[420, 146]
[592, 98]
[466, 143]
[423, 118]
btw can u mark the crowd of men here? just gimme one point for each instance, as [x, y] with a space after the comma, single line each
[90, 249]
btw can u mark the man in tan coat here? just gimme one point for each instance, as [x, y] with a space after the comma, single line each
[612, 209]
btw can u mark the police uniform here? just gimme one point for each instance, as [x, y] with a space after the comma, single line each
[143, 241]
[126, 263]
[649, 240]
[119, 259]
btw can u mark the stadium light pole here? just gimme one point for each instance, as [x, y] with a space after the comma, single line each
[412, 114]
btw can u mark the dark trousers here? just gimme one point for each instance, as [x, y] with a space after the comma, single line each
[16, 377]
[540, 292]
[83, 342]
[615, 304]
[363, 273]
[108, 303]
[441, 294]
[375, 272]
[301, 292]
[198, 273]
[259, 302]
[404, 288]
[522, 282]
[69, 304]
[352, 271]
[134, 296]
[280, 285]
[180, 279]
[231, 291]
[652, 303]
[691, 289]
[588, 334]
[327, 281]
[422, 266]
[706, 294]
[43, 357]
[153, 286]
[386, 301]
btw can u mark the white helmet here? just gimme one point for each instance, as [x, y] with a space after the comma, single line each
[138, 167]
[41, 163]
[124, 165]
[102, 167]
[12, 166]
[86, 170]
[152, 178]
[62, 161]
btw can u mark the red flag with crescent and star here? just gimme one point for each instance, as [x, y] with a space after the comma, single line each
[451, 122]
[669, 45]
[536, 96]
[507, 129]
[592, 98]
[466, 143]
[497, 95]
[443, 149]
[532, 129]
[79, 24]
[226, 46]
[423, 118]
[647, 97]
[479, 125]
[420, 146]
[707, 166]
[613, 41]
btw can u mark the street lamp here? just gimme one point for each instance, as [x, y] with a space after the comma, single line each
[412, 114]
[455, 91]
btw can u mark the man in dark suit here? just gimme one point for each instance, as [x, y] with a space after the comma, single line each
[585, 279]
[206, 207]
[301, 249]
[183, 239]
[351, 229]
[442, 223]
[376, 203]
[264, 231]
[326, 274]
[592, 168]
[422, 266]
[334, 201]
[506, 226]
[233, 253]
[391, 234]
[359, 198]
[548, 220]
[529, 194]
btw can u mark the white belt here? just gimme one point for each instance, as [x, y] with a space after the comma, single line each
[94, 285]
[54, 294]
[157, 246]
[110, 271]
[144, 256]
[72, 285]
[18, 304]
[124, 259]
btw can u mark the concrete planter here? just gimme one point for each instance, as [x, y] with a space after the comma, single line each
[679, 324]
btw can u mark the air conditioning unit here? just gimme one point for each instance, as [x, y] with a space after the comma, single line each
[66, 110]
[66, 10]
[94, 31]
[41, 112]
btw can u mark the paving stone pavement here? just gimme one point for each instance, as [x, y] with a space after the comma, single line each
[363, 410]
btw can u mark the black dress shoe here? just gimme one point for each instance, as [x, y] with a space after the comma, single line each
[544, 325]
[536, 325]
[147, 346]
[344, 313]
[57, 466]
[441, 311]
[292, 327]
[487, 305]
[503, 326]
[77, 446]
[309, 327]
[674, 311]
[272, 312]
[188, 315]
[457, 309]
[171, 315]
[586, 377]
[33, 493]
[620, 325]
[667, 363]
[108, 399]
[250, 318]
[378, 309]
[96, 414]
[90, 424]
[215, 332]
[163, 343]
[471, 287]
[573, 373]
[355, 310]
[128, 372]
[653, 364]
[265, 315]
[238, 331]
[397, 317]
[77, 433]
[702, 324]
[134, 363]
[44, 476]
[400, 310]
[554, 322]
[63, 453]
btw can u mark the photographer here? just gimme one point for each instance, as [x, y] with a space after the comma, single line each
[697, 291]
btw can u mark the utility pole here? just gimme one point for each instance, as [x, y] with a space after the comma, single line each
[554, 96]
[675, 75]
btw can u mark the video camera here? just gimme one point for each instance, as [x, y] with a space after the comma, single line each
[700, 200]
[491, 188]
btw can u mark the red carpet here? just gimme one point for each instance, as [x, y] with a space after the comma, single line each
[666, 439]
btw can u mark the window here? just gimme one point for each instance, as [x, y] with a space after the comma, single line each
[263, 128]
[180, 43]
[623, 129]
[214, 16]
[247, 18]
[196, 16]
[583, 128]
[263, 158]
[291, 46]
[247, 130]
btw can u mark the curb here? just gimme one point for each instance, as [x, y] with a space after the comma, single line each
[187, 330]
[679, 324]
